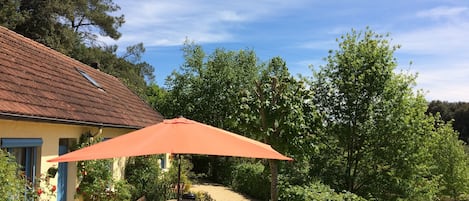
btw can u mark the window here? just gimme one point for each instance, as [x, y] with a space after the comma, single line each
[25, 151]
[90, 79]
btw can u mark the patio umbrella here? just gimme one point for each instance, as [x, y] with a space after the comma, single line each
[175, 136]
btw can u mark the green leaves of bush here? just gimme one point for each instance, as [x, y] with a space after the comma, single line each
[315, 191]
[11, 185]
[250, 178]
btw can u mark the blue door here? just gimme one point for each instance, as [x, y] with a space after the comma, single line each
[63, 170]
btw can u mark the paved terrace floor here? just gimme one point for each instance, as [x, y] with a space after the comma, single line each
[219, 192]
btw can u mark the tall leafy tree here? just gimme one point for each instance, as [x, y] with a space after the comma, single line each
[376, 132]
[451, 161]
[9, 14]
[207, 88]
[85, 15]
[279, 110]
[129, 67]
[62, 25]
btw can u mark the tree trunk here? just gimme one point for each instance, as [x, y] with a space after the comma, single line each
[274, 180]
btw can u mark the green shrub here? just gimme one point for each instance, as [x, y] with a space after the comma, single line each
[11, 185]
[220, 169]
[145, 175]
[203, 196]
[172, 174]
[251, 179]
[315, 191]
[95, 177]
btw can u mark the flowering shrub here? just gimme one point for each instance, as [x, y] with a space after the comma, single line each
[15, 186]
[95, 177]
[41, 189]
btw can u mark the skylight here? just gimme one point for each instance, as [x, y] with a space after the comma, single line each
[90, 79]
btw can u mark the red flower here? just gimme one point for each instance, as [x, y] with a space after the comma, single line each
[39, 192]
[53, 188]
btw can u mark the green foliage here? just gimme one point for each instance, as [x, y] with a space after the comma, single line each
[278, 110]
[129, 68]
[15, 186]
[95, 177]
[10, 17]
[203, 196]
[451, 161]
[376, 136]
[62, 25]
[12, 186]
[157, 97]
[220, 169]
[172, 175]
[251, 179]
[315, 191]
[80, 15]
[206, 88]
[145, 175]
[457, 112]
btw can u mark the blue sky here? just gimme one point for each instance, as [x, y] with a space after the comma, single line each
[434, 34]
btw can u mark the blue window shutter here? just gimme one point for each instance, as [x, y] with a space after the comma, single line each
[20, 142]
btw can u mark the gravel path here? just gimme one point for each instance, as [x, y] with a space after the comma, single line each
[219, 192]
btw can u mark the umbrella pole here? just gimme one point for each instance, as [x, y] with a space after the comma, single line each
[179, 178]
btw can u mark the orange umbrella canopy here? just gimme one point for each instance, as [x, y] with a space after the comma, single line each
[176, 136]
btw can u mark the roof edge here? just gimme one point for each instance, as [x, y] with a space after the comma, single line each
[32, 118]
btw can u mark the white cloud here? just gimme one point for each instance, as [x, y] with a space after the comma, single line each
[168, 23]
[448, 36]
[231, 16]
[442, 11]
[445, 39]
[439, 51]
[450, 85]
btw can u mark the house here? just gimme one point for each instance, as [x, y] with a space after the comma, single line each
[47, 100]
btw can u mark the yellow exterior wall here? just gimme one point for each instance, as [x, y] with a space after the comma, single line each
[50, 134]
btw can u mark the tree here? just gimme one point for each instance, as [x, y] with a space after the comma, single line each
[278, 109]
[376, 132]
[62, 25]
[459, 112]
[157, 98]
[451, 161]
[9, 14]
[129, 68]
[84, 15]
[207, 88]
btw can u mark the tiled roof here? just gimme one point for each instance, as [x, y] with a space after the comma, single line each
[40, 83]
